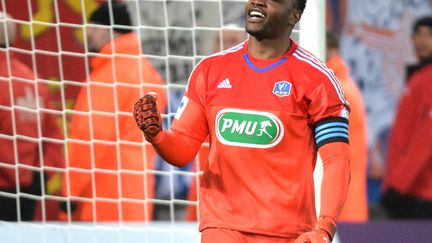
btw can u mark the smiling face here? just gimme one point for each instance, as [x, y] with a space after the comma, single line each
[267, 19]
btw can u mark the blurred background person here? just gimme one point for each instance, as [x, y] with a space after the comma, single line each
[355, 208]
[22, 147]
[228, 36]
[375, 173]
[184, 187]
[105, 142]
[408, 176]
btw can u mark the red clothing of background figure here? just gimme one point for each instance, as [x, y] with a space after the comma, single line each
[106, 142]
[26, 123]
[409, 159]
[355, 208]
[20, 120]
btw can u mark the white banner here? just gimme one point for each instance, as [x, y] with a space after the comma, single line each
[376, 43]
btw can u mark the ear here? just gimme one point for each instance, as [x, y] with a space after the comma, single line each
[295, 16]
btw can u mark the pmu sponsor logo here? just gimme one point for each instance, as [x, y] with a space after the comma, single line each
[247, 128]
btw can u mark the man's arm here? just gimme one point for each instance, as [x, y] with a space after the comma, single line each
[419, 115]
[328, 114]
[53, 151]
[53, 154]
[336, 176]
[334, 189]
[177, 147]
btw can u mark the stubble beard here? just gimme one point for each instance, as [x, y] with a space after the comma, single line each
[259, 34]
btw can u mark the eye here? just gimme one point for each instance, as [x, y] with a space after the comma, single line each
[279, 2]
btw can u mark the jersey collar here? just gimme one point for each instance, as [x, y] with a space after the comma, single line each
[261, 65]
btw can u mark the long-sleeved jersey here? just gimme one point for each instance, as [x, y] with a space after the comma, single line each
[265, 120]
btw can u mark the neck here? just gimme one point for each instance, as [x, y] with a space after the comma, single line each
[268, 48]
[426, 60]
[331, 53]
[108, 38]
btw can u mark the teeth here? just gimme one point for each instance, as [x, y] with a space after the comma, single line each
[256, 14]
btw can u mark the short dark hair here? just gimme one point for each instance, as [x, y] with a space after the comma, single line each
[120, 13]
[300, 4]
[424, 21]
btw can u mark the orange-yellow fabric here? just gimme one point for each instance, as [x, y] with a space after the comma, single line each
[106, 142]
[355, 208]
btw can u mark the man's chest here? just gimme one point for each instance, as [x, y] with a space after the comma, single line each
[275, 90]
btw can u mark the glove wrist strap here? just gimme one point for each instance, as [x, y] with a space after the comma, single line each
[328, 225]
[156, 139]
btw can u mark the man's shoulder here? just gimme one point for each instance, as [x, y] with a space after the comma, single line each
[308, 60]
[310, 65]
[421, 79]
[427, 69]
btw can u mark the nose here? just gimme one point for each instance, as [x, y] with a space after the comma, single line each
[258, 2]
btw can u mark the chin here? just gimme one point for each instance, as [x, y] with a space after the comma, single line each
[258, 34]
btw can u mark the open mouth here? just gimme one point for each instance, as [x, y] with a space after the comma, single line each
[256, 15]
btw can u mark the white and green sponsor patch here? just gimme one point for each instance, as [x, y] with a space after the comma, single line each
[247, 128]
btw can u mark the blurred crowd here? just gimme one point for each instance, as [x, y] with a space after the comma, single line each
[92, 163]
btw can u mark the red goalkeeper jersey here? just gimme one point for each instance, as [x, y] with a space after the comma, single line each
[264, 120]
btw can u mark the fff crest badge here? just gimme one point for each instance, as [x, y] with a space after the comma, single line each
[282, 88]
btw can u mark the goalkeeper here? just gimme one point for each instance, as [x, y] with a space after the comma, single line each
[268, 106]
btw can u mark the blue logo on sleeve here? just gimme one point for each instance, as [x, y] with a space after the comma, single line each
[282, 88]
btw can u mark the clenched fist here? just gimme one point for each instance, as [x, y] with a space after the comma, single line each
[147, 116]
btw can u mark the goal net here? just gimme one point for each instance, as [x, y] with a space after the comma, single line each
[51, 196]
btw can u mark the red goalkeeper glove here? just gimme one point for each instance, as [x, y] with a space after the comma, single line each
[147, 116]
[323, 232]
